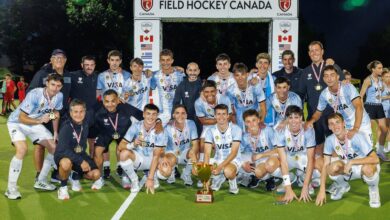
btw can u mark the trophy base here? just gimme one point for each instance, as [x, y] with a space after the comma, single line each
[202, 197]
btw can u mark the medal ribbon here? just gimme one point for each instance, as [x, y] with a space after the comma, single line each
[315, 72]
[336, 102]
[78, 137]
[342, 152]
[183, 134]
[49, 102]
[115, 126]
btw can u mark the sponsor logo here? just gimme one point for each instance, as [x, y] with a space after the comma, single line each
[147, 5]
[285, 26]
[80, 80]
[146, 27]
[284, 5]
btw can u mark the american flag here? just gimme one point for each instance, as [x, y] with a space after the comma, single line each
[283, 47]
[146, 46]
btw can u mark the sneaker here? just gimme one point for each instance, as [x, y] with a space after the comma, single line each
[233, 188]
[63, 193]
[43, 185]
[119, 170]
[76, 186]
[199, 184]
[375, 201]
[254, 182]
[55, 177]
[172, 179]
[332, 188]
[316, 182]
[245, 180]
[106, 173]
[217, 182]
[339, 192]
[135, 187]
[126, 182]
[12, 193]
[98, 184]
[270, 184]
[187, 179]
[382, 155]
[311, 189]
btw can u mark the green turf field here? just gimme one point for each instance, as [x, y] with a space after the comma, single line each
[174, 201]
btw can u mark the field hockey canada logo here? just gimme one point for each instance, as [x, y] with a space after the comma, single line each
[284, 5]
[147, 5]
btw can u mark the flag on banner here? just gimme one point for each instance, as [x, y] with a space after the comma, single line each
[146, 55]
[283, 47]
[146, 46]
[146, 38]
[287, 38]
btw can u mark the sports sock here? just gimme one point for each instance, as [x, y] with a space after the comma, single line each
[127, 166]
[373, 180]
[14, 170]
[339, 179]
[47, 163]
[106, 164]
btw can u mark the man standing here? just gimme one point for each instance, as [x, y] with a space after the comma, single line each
[223, 78]
[22, 86]
[40, 106]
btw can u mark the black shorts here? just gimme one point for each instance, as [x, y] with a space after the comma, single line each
[375, 110]
[321, 128]
[93, 132]
[75, 167]
[105, 141]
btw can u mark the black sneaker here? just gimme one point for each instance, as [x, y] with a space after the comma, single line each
[106, 173]
[55, 177]
[119, 171]
[254, 183]
[177, 173]
[270, 184]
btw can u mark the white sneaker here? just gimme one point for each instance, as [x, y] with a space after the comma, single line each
[233, 188]
[76, 186]
[171, 179]
[375, 201]
[339, 192]
[332, 188]
[187, 179]
[98, 184]
[126, 182]
[382, 156]
[316, 182]
[217, 182]
[63, 193]
[13, 193]
[135, 187]
[387, 149]
[43, 185]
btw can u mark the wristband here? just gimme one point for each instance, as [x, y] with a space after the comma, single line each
[286, 180]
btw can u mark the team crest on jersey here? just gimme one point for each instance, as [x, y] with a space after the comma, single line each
[107, 77]
[288, 140]
[338, 148]
[238, 97]
[277, 107]
[284, 5]
[161, 80]
[42, 104]
[330, 101]
[208, 110]
[309, 76]
[80, 80]
[147, 5]
[217, 137]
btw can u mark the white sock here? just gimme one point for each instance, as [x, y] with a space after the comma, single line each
[277, 173]
[201, 157]
[187, 169]
[381, 148]
[316, 174]
[47, 164]
[373, 180]
[14, 170]
[106, 164]
[339, 179]
[128, 167]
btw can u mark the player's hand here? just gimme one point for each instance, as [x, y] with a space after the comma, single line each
[149, 186]
[347, 167]
[138, 142]
[305, 196]
[281, 125]
[217, 170]
[85, 166]
[351, 133]
[289, 196]
[159, 127]
[45, 118]
[321, 198]
[307, 125]
[179, 68]
[254, 81]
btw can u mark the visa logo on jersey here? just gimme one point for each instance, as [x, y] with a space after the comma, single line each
[223, 146]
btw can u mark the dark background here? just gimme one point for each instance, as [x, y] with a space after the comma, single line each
[354, 32]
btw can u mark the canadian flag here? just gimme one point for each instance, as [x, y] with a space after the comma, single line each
[143, 38]
[284, 38]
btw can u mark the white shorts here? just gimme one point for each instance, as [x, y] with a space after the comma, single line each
[367, 133]
[236, 162]
[356, 170]
[247, 157]
[142, 162]
[36, 133]
[182, 157]
[297, 161]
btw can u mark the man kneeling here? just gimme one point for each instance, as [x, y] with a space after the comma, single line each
[71, 150]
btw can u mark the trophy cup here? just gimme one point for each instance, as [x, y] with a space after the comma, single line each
[204, 195]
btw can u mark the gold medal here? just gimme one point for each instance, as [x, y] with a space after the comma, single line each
[115, 136]
[78, 149]
[52, 116]
[318, 87]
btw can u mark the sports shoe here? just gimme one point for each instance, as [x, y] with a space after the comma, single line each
[13, 193]
[270, 184]
[126, 182]
[106, 173]
[332, 188]
[233, 188]
[98, 184]
[76, 186]
[245, 180]
[339, 192]
[217, 182]
[55, 177]
[172, 179]
[316, 182]
[43, 185]
[119, 171]
[375, 201]
[382, 155]
[63, 193]
[135, 187]
[187, 179]
[254, 182]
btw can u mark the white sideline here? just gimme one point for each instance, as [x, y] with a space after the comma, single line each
[127, 202]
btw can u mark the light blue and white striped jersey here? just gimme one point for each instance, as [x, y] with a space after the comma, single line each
[223, 140]
[139, 91]
[357, 147]
[280, 108]
[109, 80]
[244, 100]
[295, 144]
[374, 91]
[166, 87]
[150, 139]
[179, 141]
[261, 143]
[36, 104]
[386, 103]
[342, 103]
[222, 84]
